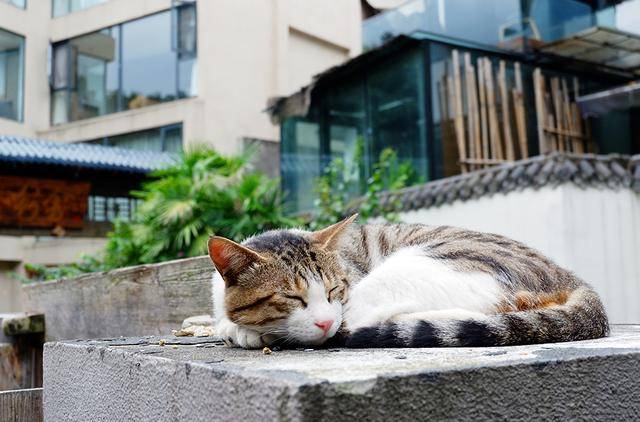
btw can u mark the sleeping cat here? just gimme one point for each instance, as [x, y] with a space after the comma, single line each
[396, 285]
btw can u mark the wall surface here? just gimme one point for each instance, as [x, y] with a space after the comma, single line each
[593, 232]
[141, 300]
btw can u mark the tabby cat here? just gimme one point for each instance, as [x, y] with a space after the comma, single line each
[396, 285]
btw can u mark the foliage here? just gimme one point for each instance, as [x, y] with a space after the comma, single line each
[343, 188]
[204, 194]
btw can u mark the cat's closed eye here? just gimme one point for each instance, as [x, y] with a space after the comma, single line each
[298, 298]
[333, 289]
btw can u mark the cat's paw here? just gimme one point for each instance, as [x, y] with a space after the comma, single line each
[236, 336]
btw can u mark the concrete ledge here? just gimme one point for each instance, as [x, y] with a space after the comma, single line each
[198, 379]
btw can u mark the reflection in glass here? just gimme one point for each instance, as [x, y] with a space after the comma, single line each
[128, 66]
[167, 139]
[11, 75]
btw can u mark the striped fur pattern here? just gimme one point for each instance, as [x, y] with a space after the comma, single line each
[396, 285]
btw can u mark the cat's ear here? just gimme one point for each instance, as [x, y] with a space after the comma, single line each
[329, 236]
[231, 258]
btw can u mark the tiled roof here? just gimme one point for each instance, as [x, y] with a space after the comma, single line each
[606, 171]
[33, 151]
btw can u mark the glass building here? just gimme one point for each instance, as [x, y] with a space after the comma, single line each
[127, 66]
[389, 97]
[11, 75]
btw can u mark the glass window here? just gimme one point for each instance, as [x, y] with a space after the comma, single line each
[128, 66]
[397, 110]
[166, 138]
[148, 62]
[300, 161]
[11, 75]
[346, 118]
[17, 3]
[63, 7]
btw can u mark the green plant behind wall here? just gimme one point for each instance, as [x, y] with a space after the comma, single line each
[343, 188]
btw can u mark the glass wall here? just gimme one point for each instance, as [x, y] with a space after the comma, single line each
[166, 138]
[11, 75]
[63, 7]
[131, 65]
[355, 120]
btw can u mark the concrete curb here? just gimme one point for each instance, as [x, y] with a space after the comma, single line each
[198, 379]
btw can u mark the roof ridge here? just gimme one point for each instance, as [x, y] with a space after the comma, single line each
[611, 171]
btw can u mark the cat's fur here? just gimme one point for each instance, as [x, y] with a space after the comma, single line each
[396, 285]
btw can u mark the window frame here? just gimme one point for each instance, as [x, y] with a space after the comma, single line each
[21, 79]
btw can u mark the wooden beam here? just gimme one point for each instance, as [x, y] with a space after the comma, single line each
[506, 115]
[521, 119]
[475, 145]
[494, 129]
[484, 130]
[541, 112]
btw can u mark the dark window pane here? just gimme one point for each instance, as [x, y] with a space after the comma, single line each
[95, 83]
[148, 62]
[11, 75]
[300, 161]
[173, 139]
[396, 107]
[346, 119]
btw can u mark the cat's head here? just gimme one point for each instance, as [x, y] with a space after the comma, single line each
[286, 284]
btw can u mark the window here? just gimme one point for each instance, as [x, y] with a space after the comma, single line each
[22, 4]
[128, 66]
[11, 75]
[356, 120]
[166, 138]
[64, 7]
[110, 208]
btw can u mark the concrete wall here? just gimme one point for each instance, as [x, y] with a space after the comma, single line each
[248, 51]
[15, 251]
[593, 232]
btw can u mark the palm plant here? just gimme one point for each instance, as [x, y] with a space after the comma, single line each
[204, 194]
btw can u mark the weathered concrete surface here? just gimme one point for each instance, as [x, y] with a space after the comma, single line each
[198, 379]
[21, 405]
[141, 300]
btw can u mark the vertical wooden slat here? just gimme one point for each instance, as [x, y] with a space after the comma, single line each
[459, 111]
[557, 112]
[577, 117]
[471, 147]
[521, 120]
[484, 131]
[541, 112]
[506, 115]
[494, 130]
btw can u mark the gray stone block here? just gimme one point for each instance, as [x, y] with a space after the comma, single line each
[199, 379]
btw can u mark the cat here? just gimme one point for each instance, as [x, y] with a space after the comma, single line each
[395, 285]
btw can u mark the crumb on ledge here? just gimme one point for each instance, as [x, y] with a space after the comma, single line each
[162, 342]
[266, 351]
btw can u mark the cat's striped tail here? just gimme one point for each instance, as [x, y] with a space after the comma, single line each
[581, 317]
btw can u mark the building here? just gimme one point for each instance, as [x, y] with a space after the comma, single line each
[523, 124]
[148, 75]
[441, 92]
[164, 73]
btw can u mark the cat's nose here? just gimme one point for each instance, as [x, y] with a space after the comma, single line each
[324, 325]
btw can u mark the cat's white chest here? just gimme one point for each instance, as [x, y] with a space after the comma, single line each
[408, 282]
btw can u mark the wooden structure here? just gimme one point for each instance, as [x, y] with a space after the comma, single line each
[43, 203]
[483, 112]
[560, 124]
[21, 405]
[487, 110]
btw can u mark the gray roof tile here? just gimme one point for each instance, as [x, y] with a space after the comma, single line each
[583, 170]
[83, 155]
